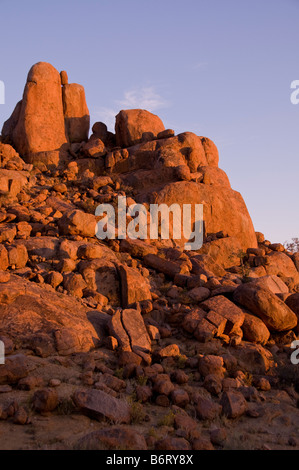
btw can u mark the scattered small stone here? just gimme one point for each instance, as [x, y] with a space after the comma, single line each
[45, 400]
[21, 416]
[54, 382]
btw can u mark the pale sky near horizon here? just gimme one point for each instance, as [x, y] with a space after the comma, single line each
[221, 69]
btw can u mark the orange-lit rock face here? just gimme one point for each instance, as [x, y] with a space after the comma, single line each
[224, 209]
[76, 113]
[132, 123]
[49, 117]
[40, 126]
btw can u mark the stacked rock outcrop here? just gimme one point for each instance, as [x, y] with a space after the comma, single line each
[51, 115]
[190, 335]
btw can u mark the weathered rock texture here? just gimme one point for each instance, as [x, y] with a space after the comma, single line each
[160, 341]
[131, 124]
[48, 117]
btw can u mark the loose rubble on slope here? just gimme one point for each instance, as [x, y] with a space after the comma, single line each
[134, 344]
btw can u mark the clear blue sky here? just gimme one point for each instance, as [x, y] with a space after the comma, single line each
[221, 69]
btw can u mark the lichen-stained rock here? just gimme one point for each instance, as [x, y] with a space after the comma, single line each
[100, 405]
[274, 312]
[76, 112]
[131, 124]
[27, 309]
[134, 288]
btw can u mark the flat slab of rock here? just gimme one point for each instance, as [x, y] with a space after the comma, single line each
[137, 248]
[137, 332]
[99, 405]
[170, 268]
[116, 329]
[227, 309]
[30, 313]
[128, 328]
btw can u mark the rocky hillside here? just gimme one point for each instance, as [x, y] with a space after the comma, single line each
[154, 346]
